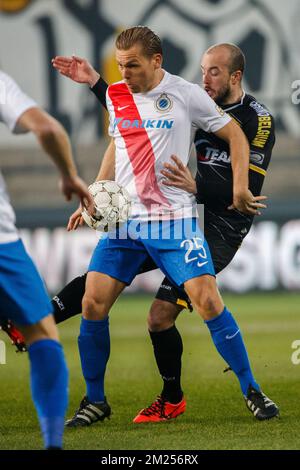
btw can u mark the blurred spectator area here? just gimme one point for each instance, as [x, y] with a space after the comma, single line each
[32, 181]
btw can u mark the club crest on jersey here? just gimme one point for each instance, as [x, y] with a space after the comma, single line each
[163, 103]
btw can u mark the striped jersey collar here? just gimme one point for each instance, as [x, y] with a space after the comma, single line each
[236, 105]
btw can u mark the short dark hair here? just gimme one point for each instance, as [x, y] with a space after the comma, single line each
[237, 57]
[150, 42]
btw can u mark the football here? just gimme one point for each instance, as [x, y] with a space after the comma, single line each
[112, 206]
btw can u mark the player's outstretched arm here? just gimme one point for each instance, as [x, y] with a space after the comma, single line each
[77, 69]
[75, 220]
[106, 172]
[55, 141]
[179, 176]
[243, 199]
[81, 71]
[107, 167]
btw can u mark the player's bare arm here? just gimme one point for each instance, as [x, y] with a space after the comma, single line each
[243, 199]
[107, 167]
[179, 176]
[106, 172]
[54, 140]
[77, 69]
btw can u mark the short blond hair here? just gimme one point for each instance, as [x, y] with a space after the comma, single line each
[150, 42]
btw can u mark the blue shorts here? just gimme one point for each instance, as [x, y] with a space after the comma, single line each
[177, 247]
[23, 297]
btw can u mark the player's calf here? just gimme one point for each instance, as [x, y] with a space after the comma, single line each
[162, 315]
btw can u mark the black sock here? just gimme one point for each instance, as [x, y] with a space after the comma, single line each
[168, 349]
[68, 301]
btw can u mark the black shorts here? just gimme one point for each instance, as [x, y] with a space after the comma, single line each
[222, 253]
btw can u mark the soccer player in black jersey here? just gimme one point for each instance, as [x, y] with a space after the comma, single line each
[225, 227]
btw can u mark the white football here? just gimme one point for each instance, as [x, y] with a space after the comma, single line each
[112, 206]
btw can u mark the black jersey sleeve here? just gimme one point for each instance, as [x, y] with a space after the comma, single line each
[260, 132]
[99, 90]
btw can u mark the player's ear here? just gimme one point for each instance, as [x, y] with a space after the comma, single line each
[157, 59]
[236, 77]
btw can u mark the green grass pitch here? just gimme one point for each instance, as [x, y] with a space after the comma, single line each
[216, 416]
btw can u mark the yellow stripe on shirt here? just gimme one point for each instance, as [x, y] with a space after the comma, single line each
[182, 302]
[257, 169]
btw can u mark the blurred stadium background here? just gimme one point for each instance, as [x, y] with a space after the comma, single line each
[31, 33]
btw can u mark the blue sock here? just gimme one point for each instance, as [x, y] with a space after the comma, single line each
[229, 343]
[94, 349]
[49, 388]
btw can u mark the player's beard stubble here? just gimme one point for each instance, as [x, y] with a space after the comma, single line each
[223, 95]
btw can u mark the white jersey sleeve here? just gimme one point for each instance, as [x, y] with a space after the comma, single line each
[204, 112]
[13, 103]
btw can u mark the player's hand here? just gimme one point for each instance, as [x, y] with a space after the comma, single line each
[75, 220]
[179, 176]
[75, 185]
[77, 69]
[246, 203]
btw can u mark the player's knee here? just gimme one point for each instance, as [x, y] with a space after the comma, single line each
[205, 296]
[44, 329]
[94, 309]
[162, 315]
[209, 304]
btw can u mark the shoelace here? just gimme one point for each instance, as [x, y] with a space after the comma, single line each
[267, 401]
[261, 400]
[157, 407]
[81, 407]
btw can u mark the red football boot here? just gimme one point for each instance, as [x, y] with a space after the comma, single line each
[160, 410]
[17, 339]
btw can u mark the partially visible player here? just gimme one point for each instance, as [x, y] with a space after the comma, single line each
[16, 337]
[134, 104]
[22, 293]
